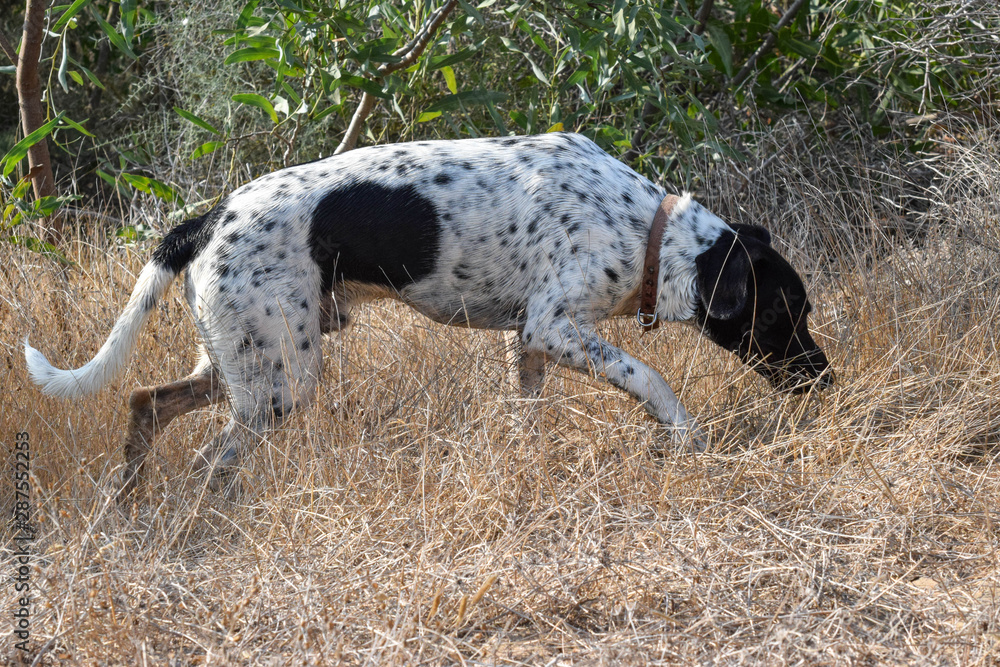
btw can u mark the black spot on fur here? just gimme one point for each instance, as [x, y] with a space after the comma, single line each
[278, 407]
[375, 234]
[185, 241]
[443, 178]
[611, 274]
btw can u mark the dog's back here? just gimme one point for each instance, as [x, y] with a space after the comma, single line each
[461, 230]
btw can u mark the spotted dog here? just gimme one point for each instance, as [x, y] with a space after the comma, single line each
[544, 235]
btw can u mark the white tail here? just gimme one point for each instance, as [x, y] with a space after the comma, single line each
[111, 358]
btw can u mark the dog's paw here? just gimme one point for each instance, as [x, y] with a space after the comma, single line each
[225, 483]
[689, 437]
[218, 468]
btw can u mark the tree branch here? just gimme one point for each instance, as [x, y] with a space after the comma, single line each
[7, 49]
[29, 98]
[768, 43]
[410, 52]
[29, 90]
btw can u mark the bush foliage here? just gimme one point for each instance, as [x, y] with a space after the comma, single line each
[153, 98]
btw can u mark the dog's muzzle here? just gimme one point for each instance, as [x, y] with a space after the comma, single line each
[799, 374]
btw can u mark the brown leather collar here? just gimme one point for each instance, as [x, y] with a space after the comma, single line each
[651, 266]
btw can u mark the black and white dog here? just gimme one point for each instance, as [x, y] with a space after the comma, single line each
[544, 235]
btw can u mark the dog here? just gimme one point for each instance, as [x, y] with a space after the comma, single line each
[544, 235]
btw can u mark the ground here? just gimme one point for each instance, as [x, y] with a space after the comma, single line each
[420, 513]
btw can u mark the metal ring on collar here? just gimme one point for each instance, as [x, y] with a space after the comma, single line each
[645, 320]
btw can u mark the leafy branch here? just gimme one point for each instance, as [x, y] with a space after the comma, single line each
[769, 42]
[407, 55]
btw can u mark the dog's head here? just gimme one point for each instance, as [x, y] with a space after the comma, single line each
[753, 303]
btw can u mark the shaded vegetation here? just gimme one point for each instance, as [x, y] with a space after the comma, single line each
[176, 103]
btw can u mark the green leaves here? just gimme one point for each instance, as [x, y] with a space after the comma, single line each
[73, 10]
[722, 56]
[466, 99]
[206, 148]
[449, 78]
[117, 39]
[19, 150]
[252, 53]
[153, 187]
[259, 101]
[203, 124]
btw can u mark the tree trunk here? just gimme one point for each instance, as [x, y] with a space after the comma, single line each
[29, 97]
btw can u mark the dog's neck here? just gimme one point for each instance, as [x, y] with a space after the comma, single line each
[691, 230]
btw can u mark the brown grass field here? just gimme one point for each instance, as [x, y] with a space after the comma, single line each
[420, 513]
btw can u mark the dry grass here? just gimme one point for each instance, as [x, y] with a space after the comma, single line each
[418, 514]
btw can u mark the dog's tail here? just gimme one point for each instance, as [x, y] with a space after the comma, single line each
[175, 252]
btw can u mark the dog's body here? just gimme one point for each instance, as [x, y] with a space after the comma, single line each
[544, 235]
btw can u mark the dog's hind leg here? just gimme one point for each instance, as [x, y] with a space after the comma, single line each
[152, 408]
[572, 345]
[266, 379]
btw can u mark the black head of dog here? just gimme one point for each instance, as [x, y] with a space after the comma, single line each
[753, 303]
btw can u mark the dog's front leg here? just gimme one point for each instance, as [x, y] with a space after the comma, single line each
[574, 347]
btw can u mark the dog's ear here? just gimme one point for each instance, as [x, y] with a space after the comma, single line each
[753, 232]
[722, 276]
